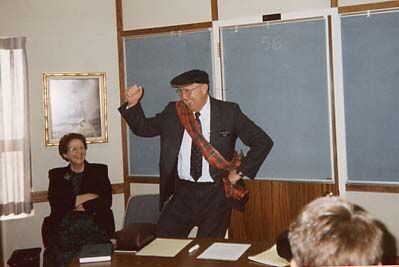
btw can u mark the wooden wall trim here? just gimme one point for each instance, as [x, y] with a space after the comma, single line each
[118, 188]
[332, 97]
[366, 7]
[167, 29]
[214, 10]
[379, 188]
[41, 196]
[144, 179]
[372, 188]
[334, 3]
[121, 67]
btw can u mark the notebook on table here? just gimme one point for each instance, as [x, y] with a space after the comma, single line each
[95, 253]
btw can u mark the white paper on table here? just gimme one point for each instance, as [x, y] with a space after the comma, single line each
[224, 251]
[164, 247]
[270, 257]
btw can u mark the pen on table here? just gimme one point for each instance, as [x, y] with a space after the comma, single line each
[193, 248]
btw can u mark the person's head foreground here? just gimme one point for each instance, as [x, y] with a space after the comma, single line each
[331, 232]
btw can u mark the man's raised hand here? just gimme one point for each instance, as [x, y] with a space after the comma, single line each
[133, 94]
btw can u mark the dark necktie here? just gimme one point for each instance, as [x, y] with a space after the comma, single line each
[196, 155]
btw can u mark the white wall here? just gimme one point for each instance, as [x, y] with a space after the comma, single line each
[140, 14]
[63, 36]
[357, 2]
[67, 36]
[229, 9]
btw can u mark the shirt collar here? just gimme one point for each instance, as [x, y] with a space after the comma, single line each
[206, 109]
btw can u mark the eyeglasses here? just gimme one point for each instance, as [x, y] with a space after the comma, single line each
[76, 149]
[186, 91]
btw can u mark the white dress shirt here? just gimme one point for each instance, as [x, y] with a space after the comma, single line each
[183, 161]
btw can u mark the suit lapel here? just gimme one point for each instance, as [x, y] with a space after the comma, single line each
[177, 130]
[216, 122]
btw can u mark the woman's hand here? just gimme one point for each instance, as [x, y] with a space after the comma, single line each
[80, 199]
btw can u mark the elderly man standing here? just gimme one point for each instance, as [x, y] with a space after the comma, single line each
[200, 173]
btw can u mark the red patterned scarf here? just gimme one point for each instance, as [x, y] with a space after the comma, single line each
[209, 152]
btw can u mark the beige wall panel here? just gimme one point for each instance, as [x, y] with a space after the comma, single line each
[140, 14]
[143, 189]
[357, 2]
[229, 9]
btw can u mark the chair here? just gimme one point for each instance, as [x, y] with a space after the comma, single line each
[142, 209]
[48, 230]
[139, 227]
[28, 257]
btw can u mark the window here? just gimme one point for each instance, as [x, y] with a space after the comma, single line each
[15, 169]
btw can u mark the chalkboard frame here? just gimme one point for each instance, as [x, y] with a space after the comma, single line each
[153, 171]
[354, 179]
[329, 16]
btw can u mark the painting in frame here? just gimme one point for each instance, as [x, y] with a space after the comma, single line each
[75, 102]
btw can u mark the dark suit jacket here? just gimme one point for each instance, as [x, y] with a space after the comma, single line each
[227, 123]
[96, 181]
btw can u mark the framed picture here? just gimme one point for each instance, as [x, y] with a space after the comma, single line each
[75, 102]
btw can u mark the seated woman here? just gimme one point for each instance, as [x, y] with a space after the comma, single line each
[80, 197]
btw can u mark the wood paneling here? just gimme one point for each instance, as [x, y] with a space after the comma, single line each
[41, 196]
[373, 188]
[272, 206]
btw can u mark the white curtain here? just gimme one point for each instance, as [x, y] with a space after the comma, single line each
[15, 166]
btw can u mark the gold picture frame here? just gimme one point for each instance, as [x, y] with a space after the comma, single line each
[75, 102]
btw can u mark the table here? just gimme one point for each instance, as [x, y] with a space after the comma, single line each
[183, 259]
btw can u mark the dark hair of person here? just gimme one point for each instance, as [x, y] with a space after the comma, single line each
[64, 142]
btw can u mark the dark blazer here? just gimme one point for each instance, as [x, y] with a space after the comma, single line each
[227, 124]
[96, 181]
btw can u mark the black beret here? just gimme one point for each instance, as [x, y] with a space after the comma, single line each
[189, 77]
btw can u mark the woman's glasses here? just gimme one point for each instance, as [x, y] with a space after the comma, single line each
[76, 149]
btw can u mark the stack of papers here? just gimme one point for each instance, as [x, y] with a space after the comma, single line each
[270, 257]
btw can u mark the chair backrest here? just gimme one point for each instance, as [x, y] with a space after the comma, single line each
[142, 209]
